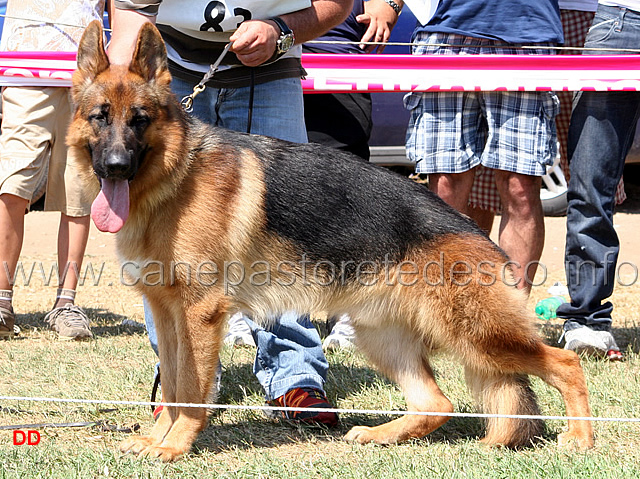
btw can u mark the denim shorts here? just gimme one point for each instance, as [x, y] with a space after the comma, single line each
[452, 132]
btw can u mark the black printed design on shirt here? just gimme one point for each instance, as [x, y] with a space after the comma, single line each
[213, 22]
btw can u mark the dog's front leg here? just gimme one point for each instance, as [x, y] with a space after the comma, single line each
[189, 345]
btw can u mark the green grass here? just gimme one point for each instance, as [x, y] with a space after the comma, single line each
[118, 365]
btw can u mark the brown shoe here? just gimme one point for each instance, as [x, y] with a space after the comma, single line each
[70, 322]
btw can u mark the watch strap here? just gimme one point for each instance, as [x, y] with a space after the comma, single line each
[284, 28]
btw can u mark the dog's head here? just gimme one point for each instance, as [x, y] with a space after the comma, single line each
[117, 111]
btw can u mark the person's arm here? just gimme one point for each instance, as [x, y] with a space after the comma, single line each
[125, 24]
[254, 42]
[381, 16]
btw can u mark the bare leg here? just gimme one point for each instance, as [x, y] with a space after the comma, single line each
[453, 188]
[483, 218]
[73, 235]
[12, 211]
[522, 224]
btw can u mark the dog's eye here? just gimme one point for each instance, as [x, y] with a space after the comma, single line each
[140, 121]
[98, 117]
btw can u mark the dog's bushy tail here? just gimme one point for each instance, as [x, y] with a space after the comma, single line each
[506, 394]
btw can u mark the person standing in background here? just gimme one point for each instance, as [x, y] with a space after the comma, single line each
[33, 150]
[453, 134]
[257, 90]
[601, 132]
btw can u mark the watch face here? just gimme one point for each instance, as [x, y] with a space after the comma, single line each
[285, 43]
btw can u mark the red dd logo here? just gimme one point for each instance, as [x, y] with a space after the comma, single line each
[30, 437]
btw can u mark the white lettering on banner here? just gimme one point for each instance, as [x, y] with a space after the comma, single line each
[43, 74]
[320, 83]
[18, 72]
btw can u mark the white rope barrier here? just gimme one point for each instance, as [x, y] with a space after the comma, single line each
[336, 410]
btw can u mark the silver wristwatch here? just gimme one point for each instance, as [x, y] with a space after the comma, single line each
[286, 40]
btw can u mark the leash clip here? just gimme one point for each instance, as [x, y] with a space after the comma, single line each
[187, 101]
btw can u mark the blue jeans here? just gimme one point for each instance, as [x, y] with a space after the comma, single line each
[278, 108]
[600, 135]
[289, 353]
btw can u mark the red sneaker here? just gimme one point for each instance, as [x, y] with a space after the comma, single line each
[614, 355]
[308, 399]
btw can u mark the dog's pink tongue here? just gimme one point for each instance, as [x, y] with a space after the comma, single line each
[111, 208]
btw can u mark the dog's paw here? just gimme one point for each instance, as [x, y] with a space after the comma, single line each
[165, 454]
[573, 440]
[135, 444]
[362, 435]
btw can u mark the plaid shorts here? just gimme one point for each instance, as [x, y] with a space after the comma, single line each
[484, 194]
[452, 132]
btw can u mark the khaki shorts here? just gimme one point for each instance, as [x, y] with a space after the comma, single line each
[32, 149]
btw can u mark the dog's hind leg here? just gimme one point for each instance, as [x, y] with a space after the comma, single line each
[402, 357]
[497, 378]
[561, 369]
[505, 394]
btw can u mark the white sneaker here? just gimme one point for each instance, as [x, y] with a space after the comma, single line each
[342, 335]
[584, 340]
[239, 333]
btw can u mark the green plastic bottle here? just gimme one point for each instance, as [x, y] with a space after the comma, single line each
[546, 308]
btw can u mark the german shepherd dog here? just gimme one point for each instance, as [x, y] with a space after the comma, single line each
[326, 232]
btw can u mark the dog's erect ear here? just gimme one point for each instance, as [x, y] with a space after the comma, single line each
[92, 59]
[150, 58]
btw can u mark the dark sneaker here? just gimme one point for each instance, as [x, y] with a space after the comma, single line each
[8, 328]
[308, 399]
[70, 322]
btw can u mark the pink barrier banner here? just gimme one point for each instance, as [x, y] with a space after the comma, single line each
[37, 68]
[380, 73]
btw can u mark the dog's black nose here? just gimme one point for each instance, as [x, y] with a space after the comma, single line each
[118, 164]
